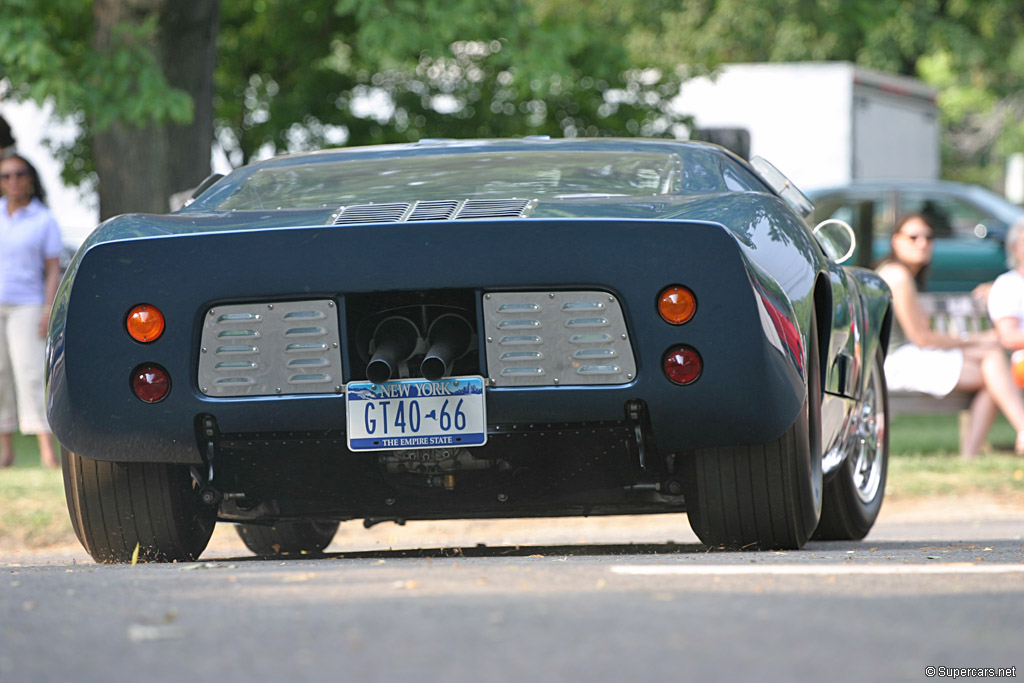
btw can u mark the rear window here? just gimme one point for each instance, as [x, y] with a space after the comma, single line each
[504, 174]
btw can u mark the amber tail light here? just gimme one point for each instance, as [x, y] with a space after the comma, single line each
[145, 323]
[677, 304]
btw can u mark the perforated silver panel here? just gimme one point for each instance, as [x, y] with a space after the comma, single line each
[264, 349]
[563, 338]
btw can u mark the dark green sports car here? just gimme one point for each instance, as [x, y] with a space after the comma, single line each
[460, 329]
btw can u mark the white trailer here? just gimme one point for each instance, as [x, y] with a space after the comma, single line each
[820, 123]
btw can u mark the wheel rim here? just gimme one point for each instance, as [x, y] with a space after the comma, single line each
[870, 439]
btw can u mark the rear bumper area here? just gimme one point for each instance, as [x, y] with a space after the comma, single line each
[564, 469]
[749, 390]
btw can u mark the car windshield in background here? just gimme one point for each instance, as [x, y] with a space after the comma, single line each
[505, 174]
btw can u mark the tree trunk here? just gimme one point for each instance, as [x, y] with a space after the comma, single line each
[139, 168]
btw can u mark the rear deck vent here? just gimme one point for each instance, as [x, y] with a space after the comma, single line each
[494, 208]
[372, 213]
[436, 210]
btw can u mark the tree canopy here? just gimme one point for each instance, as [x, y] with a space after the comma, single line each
[49, 56]
[300, 74]
[372, 71]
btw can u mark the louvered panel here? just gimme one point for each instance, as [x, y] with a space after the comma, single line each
[372, 213]
[271, 348]
[556, 338]
[493, 208]
[434, 211]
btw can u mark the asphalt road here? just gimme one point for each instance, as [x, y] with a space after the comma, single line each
[595, 600]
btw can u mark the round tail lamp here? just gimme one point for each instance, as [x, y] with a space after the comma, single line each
[677, 304]
[145, 323]
[150, 383]
[682, 365]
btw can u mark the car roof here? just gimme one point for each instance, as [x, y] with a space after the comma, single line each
[434, 146]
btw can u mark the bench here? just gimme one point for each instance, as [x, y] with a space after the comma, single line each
[952, 312]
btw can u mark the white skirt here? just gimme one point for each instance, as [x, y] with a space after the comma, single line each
[931, 371]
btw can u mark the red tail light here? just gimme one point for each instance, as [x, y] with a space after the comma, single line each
[151, 383]
[683, 365]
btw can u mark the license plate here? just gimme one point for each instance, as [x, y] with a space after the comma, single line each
[416, 413]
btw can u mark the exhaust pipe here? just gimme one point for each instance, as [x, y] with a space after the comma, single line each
[448, 337]
[393, 341]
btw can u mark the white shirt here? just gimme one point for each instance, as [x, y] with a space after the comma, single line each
[1006, 298]
[27, 239]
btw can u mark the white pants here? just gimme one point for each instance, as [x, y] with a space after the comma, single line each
[22, 359]
[932, 371]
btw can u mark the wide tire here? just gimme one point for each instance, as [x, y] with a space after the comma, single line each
[854, 495]
[761, 496]
[116, 507]
[287, 538]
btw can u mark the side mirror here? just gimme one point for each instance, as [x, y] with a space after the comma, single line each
[782, 186]
[836, 238]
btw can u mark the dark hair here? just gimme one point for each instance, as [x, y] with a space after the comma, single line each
[6, 137]
[37, 186]
[921, 279]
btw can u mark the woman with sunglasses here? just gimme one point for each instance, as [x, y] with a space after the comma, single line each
[922, 359]
[30, 247]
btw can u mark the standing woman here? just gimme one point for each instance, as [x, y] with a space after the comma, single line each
[936, 363]
[30, 247]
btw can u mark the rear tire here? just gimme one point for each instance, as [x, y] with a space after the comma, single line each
[762, 496]
[287, 538]
[853, 497]
[118, 506]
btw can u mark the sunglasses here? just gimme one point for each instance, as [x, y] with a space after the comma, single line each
[23, 173]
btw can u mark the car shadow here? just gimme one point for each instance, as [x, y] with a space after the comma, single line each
[906, 550]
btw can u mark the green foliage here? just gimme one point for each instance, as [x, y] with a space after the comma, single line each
[300, 74]
[48, 56]
[372, 71]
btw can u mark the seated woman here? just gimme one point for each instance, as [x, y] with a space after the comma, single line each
[1006, 301]
[921, 359]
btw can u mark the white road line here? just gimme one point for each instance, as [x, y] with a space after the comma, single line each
[814, 570]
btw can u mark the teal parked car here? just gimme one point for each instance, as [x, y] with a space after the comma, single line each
[970, 224]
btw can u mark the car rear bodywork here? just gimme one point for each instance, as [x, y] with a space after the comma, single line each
[271, 314]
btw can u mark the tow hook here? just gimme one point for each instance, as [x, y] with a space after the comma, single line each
[210, 434]
[636, 413]
[207, 493]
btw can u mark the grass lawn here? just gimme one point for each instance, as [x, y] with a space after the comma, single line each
[32, 507]
[924, 461]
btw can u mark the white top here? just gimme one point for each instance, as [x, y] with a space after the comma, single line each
[1006, 299]
[27, 239]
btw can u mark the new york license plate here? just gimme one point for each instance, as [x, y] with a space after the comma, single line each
[416, 413]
